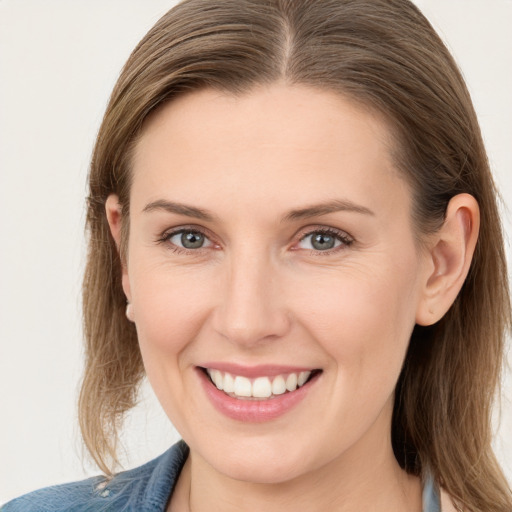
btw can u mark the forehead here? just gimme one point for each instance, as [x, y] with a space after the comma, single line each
[274, 143]
[308, 115]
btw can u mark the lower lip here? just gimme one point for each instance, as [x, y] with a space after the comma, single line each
[254, 411]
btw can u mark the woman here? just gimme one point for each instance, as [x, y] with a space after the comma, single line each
[294, 235]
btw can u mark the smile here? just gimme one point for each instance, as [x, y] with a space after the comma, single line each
[241, 387]
[256, 394]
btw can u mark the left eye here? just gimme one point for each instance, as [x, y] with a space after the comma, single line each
[322, 241]
[189, 239]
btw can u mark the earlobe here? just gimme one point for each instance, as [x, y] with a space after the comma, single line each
[449, 258]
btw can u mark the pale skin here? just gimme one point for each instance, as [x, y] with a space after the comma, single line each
[249, 169]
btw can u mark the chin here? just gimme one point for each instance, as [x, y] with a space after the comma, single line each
[265, 463]
[261, 472]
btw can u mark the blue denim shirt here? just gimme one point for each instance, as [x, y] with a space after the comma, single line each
[143, 489]
[146, 488]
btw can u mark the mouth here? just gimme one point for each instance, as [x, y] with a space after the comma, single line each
[256, 394]
[264, 387]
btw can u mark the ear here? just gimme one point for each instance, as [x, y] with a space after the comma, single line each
[114, 218]
[449, 258]
[113, 211]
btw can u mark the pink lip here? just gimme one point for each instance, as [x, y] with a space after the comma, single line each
[255, 411]
[251, 372]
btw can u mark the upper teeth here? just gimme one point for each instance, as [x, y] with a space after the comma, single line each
[261, 387]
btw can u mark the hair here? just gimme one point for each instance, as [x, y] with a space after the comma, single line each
[385, 55]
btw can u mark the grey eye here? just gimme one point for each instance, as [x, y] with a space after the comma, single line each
[192, 240]
[189, 239]
[321, 241]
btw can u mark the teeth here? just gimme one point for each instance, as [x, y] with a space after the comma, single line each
[303, 377]
[261, 387]
[243, 386]
[217, 378]
[229, 383]
[279, 385]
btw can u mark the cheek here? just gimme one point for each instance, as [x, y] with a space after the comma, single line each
[363, 318]
[170, 309]
[170, 306]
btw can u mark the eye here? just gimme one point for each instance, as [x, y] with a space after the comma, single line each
[189, 239]
[324, 240]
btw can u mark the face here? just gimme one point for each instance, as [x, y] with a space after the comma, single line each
[271, 250]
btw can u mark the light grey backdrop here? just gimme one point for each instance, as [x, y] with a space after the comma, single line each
[58, 63]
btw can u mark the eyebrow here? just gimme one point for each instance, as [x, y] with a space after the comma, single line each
[179, 209]
[316, 210]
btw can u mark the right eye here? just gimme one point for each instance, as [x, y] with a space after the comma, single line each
[189, 239]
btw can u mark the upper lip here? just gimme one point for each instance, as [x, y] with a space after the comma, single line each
[261, 370]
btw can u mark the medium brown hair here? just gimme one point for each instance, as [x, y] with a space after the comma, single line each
[385, 55]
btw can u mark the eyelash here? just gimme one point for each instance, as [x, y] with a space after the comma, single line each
[344, 238]
[167, 235]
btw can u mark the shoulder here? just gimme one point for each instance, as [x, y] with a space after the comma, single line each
[150, 484]
[71, 496]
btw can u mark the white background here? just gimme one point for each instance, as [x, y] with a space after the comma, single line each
[58, 63]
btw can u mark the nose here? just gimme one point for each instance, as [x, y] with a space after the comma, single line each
[251, 303]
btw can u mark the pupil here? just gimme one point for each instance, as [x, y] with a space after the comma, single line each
[323, 242]
[192, 240]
